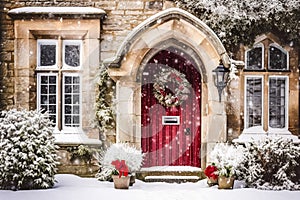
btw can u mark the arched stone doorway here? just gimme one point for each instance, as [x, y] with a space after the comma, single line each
[172, 28]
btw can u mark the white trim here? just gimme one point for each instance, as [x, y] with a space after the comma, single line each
[38, 88]
[262, 56]
[72, 42]
[285, 129]
[66, 129]
[251, 129]
[284, 51]
[47, 42]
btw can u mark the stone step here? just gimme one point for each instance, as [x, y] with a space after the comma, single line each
[172, 179]
[170, 174]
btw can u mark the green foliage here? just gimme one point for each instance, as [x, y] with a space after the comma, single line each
[239, 22]
[82, 152]
[28, 156]
[105, 114]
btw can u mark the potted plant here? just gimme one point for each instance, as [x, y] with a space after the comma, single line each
[120, 175]
[226, 177]
[211, 174]
[227, 158]
[121, 151]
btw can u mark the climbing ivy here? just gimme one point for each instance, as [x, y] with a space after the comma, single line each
[240, 21]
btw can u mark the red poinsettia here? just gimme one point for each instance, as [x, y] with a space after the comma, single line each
[121, 167]
[210, 171]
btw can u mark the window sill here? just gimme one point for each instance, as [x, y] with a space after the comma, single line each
[74, 139]
[257, 133]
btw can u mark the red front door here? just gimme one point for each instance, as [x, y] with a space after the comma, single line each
[176, 143]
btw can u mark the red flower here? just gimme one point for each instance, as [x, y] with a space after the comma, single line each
[210, 171]
[121, 167]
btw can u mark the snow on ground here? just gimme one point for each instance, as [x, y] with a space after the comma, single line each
[71, 187]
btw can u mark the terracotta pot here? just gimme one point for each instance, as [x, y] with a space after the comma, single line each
[121, 182]
[212, 181]
[225, 182]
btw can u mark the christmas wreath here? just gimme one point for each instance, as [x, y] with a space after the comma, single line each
[181, 92]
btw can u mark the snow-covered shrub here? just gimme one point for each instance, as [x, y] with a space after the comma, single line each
[28, 156]
[82, 152]
[226, 158]
[120, 151]
[271, 164]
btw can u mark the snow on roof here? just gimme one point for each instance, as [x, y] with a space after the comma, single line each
[57, 10]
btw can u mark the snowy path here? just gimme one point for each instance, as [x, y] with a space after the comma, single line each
[70, 187]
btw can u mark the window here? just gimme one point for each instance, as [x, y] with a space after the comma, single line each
[254, 101]
[278, 58]
[277, 102]
[47, 93]
[254, 58]
[47, 54]
[266, 92]
[72, 53]
[59, 82]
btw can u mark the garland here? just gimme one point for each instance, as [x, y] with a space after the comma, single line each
[105, 114]
[181, 92]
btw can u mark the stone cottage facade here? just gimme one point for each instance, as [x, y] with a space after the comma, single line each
[51, 53]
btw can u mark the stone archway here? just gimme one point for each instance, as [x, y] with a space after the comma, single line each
[165, 28]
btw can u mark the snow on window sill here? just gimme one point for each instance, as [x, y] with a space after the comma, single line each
[257, 133]
[74, 139]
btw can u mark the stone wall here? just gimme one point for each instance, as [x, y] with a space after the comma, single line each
[122, 16]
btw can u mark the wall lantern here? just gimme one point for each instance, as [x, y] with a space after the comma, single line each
[220, 76]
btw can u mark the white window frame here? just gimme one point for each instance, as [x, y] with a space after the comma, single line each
[255, 129]
[72, 42]
[284, 51]
[66, 129]
[262, 56]
[46, 42]
[285, 129]
[38, 88]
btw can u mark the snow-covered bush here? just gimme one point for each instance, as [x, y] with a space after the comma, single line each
[227, 158]
[28, 156]
[120, 151]
[271, 164]
[81, 152]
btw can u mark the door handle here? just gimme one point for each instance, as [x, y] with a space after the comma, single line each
[187, 131]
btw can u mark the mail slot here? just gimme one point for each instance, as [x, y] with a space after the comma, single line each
[170, 120]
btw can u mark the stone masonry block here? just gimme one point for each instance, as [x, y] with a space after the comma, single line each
[130, 5]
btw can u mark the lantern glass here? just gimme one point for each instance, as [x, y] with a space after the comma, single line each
[220, 76]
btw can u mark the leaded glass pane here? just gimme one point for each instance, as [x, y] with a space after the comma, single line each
[71, 101]
[254, 58]
[277, 59]
[68, 80]
[47, 55]
[72, 55]
[52, 89]
[277, 99]
[47, 98]
[68, 99]
[253, 102]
